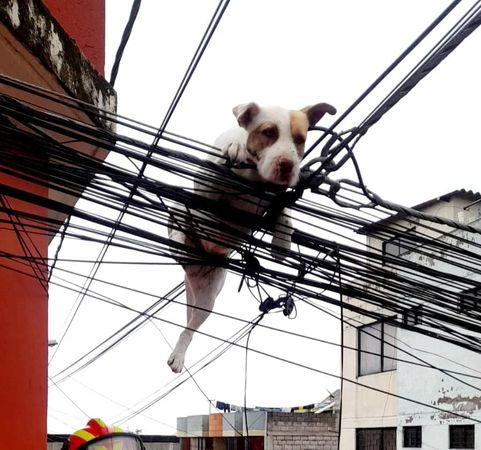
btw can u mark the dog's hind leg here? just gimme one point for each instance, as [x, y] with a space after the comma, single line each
[203, 284]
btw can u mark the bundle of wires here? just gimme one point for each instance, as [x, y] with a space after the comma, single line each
[163, 194]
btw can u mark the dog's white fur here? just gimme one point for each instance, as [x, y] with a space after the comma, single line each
[273, 139]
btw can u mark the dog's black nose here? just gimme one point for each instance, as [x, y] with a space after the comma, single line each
[285, 166]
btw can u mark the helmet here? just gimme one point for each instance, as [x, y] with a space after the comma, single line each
[99, 436]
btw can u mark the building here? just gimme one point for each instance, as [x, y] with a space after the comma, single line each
[57, 46]
[311, 427]
[447, 399]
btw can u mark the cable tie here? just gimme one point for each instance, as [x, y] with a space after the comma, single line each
[288, 306]
[302, 270]
[334, 189]
[268, 305]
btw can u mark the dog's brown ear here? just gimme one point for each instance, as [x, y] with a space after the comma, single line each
[314, 113]
[245, 113]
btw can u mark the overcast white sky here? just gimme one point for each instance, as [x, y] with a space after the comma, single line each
[274, 52]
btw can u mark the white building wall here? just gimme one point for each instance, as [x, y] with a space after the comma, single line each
[434, 387]
[363, 408]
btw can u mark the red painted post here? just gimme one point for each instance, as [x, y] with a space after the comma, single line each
[23, 329]
[23, 298]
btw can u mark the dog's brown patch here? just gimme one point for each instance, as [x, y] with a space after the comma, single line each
[262, 137]
[299, 127]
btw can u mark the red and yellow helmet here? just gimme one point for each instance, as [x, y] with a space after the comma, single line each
[99, 436]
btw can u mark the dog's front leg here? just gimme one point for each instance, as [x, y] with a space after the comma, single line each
[203, 284]
[282, 236]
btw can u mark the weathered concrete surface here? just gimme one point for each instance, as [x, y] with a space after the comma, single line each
[33, 25]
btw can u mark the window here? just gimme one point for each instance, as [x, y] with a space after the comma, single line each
[399, 245]
[376, 351]
[413, 316]
[412, 437]
[461, 436]
[376, 439]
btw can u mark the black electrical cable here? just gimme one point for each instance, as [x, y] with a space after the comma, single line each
[125, 38]
[204, 42]
[70, 400]
[127, 329]
[470, 21]
[255, 323]
[21, 236]
[421, 362]
[341, 324]
[59, 247]
[391, 67]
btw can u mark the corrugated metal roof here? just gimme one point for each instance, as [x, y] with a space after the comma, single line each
[474, 196]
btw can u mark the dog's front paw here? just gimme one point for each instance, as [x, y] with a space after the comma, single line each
[234, 152]
[232, 145]
[176, 362]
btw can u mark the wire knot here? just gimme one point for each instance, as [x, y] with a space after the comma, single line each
[285, 302]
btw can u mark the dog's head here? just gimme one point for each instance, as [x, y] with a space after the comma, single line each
[276, 138]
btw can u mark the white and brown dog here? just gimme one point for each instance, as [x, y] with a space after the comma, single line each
[272, 139]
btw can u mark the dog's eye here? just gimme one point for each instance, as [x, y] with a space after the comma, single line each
[299, 140]
[270, 132]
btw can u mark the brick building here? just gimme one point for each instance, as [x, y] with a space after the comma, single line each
[306, 431]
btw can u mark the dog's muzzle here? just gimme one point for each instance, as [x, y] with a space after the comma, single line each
[284, 171]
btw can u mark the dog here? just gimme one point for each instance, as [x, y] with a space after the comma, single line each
[272, 139]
